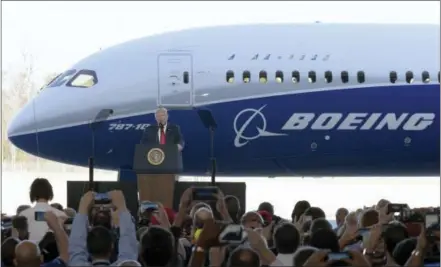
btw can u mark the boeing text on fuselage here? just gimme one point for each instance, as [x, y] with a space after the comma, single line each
[330, 121]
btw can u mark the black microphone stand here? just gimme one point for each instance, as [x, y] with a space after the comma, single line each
[212, 158]
[102, 116]
[208, 120]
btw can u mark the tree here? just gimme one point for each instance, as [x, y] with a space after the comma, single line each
[21, 90]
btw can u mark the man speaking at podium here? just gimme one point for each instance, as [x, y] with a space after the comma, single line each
[160, 187]
[164, 132]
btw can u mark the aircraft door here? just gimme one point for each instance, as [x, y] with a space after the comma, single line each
[175, 80]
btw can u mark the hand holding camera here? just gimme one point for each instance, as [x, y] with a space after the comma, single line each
[90, 198]
[205, 193]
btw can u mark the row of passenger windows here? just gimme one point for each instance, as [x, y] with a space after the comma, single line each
[328, 76]
[82, 78]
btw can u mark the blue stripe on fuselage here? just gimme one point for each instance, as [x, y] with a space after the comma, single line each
[344, 152]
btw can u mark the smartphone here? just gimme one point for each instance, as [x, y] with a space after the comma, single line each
[431, 219]
[102, 198]
[206, 193]
[39, 216]
[395, 207]
[339, 256]
[147, 205]
[365, 234]
[232, 234]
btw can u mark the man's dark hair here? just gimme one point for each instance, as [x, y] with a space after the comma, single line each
[20, 223]
[286, 238]
[266, 206]
[394, 234]
[8, 251]
[300, 208]
[403, 250]
[369, 218]
[58, 206]
[41, 189]
[324, 239]
[315, 213]
[157, 247]
[318, 224]
[237, 259]
[100, 242]
[233, 207]
[48, 247]
[22, 208]
[306, 226]
[302, 255]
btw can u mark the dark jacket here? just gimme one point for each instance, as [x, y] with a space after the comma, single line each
[173, 134]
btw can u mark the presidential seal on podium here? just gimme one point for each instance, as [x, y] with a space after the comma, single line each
[155, 156]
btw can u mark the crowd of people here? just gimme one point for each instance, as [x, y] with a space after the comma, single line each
[101, 231]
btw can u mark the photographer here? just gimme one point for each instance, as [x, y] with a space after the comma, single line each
[98, 243]
[41, 193]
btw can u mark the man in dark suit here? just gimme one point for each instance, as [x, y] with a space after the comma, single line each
[159, 187]
[164, 132]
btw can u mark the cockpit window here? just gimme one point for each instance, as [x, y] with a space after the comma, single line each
[62, 78]
[83, 79]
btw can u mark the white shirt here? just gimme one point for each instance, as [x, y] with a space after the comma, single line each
[285, 259]
[159, 132]
[37, 229]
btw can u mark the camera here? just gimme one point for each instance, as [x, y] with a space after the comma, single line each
[39, 216]
[405, 214]
[102, 199]
[233, 234]
[146, 210]
[206, 193]
[339, 256]
[148, 206]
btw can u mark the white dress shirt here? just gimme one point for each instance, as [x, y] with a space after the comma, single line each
[37, 229]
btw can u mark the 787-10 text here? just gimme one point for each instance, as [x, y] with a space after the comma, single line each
[127, 126]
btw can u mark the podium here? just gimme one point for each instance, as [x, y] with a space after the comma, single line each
[156, 167]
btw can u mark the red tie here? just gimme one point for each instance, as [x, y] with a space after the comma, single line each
[162, 138]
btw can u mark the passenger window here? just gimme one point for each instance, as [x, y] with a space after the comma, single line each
[83, 79]
[328, 76]
[344, 77]
[230, 76]
[62, 78]
[312, 78]
[262, 77]
[393, 77]
[186, 77]
[409, 77]
[246, 76]
[295, 76]
[279, 76]
[425, 77]
[361, 77]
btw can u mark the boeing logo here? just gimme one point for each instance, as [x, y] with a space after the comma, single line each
[332, 121]
[241, 139]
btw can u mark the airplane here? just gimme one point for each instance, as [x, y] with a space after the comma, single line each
[313, 99]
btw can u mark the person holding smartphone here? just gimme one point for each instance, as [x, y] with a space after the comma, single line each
[41, 193]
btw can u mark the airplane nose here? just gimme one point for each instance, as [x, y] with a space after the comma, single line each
[22, 131]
